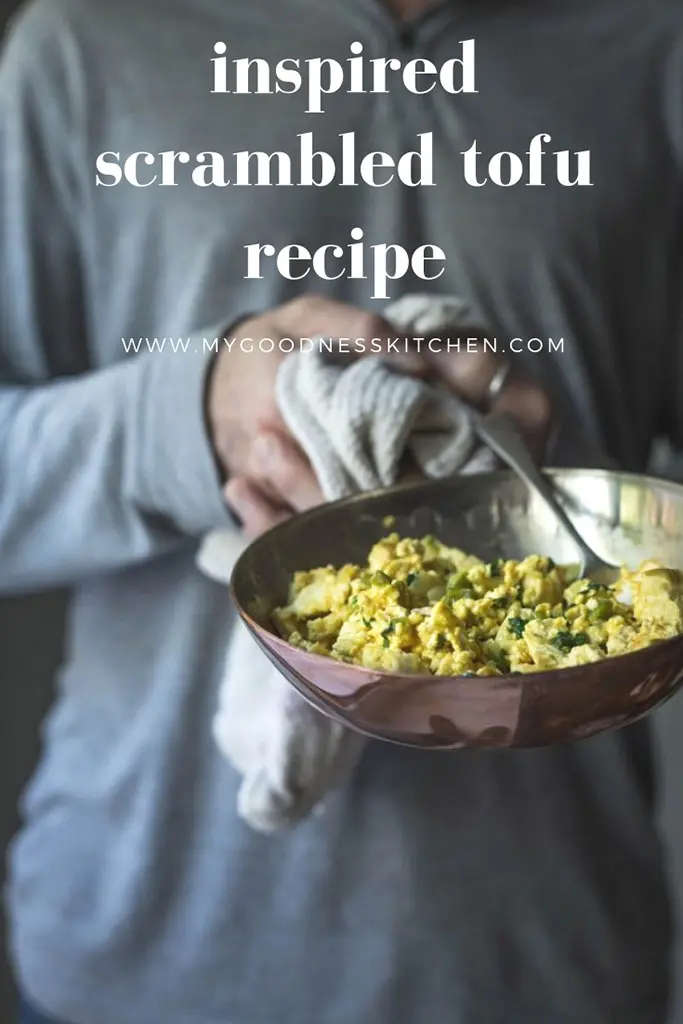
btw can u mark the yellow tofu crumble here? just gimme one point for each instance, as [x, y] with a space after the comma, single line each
[419, 606]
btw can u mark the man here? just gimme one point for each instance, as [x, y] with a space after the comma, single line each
[493, 888]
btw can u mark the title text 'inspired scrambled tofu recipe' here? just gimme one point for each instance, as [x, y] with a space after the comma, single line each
[419, 606]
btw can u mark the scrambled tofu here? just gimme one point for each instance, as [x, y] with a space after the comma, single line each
[420, 606]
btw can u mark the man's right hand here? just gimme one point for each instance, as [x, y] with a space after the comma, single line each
[241, 393]
[245, 423]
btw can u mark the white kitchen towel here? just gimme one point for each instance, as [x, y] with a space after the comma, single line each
[355, 424]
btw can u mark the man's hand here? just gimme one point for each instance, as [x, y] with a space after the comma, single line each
[470, 374]
[276, 458]
[269, 476]
[241, 393]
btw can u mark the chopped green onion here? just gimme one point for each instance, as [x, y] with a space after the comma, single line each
[380, 577]
[516, 626]
[604, 610]
[458, 585]
[500, 661]
[565, 641]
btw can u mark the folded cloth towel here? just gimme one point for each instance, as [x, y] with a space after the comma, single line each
[354, 424]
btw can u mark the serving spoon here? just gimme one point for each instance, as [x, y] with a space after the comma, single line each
[500, 435]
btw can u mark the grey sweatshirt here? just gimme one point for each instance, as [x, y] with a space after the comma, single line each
[477, 888]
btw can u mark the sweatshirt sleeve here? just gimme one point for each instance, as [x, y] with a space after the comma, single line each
[102, 468]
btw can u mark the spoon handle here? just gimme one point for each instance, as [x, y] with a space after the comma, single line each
[499, 433]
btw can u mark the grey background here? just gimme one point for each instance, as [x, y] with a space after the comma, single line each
[30, 645]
